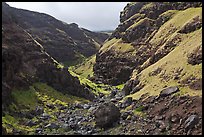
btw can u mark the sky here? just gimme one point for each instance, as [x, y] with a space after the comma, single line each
[94, 16]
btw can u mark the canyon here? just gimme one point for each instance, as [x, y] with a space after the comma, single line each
[145, 78]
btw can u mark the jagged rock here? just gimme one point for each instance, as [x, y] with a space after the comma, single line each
[65, 126]
[174, 118]
[195, 57]
[194, 24]
[78, 105]
[17, 132]
[118, 98]
[91, 109]
[63, 107]
[168, 91]
[106, 114]
[191, 122]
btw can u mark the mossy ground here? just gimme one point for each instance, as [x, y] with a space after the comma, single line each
[84, 71]
[39, 94]
[86, 68]
[96, 88]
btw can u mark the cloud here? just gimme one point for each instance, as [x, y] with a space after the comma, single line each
[94, 16]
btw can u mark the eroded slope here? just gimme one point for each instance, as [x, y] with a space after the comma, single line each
[146, 34]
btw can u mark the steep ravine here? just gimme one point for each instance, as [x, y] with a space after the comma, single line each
[145, 80]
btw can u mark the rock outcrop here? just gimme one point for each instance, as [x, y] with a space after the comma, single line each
[148, 31]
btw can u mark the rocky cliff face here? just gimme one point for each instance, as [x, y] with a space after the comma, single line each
[67, 43]
[24, 61]
[148, 32]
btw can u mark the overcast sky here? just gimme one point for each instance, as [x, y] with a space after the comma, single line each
[95, 16]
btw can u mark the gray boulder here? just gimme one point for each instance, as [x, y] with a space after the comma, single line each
[168, 91]
[191, 122]
[106, 114]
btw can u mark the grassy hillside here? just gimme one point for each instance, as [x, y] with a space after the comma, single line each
[175, 64]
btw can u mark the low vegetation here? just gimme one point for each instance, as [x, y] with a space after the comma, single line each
[39, 94]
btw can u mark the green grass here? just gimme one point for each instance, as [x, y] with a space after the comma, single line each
[120, 87]
[176, 59]
[139, 108]
[85, 69]
[56, 95]
[178, 20]
[10, 122]
[107, 45]
[117, 45]
[84, 81]
[138, 111]
[26, 98]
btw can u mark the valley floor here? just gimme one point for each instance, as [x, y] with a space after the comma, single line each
[57, 115]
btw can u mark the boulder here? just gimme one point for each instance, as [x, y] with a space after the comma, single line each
[106, 114]
[191, 122]
[168, 91]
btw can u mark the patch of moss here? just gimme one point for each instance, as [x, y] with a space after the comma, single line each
[120, 87]
[10, 123]
[138, 111]
[85, 69]
[25, 98]
[55, 95]
[96, 88]
[39, 94]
